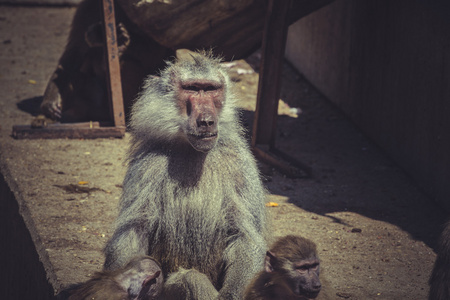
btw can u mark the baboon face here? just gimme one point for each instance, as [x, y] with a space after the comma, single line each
[306, 277]
[289, 266]
[200, 103]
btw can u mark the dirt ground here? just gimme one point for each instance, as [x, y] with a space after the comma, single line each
[374, 228]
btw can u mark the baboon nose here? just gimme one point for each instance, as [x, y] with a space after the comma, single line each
[205, 121]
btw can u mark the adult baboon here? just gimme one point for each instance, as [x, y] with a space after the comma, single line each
[291, 272]
[440, 277]
[140, 279]
[76, 90]
[192, 196]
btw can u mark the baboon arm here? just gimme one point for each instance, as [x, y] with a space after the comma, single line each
[133, 230]
[189, 285]
[125, 244]
[51, 105]
[243, 259]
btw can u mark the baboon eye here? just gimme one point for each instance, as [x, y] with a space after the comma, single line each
[211, 88]
[197, 88]
[191, 88]
[307, 267]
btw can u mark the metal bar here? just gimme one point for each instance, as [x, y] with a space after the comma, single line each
[112, 54]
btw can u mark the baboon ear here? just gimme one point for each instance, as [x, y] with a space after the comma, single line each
[94, 35]
[150, 279]
[269, 262]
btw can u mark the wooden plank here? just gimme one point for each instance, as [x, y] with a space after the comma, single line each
[302, 8]
[42, 2]
[274, 40]
[112, 54]
[232, 28]
[88, 130]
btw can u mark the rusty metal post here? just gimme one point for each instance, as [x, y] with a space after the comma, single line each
[112, 55]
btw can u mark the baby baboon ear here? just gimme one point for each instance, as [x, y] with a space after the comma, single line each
[269, 262]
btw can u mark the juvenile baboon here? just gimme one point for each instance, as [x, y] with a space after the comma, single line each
[291, 272]
[192, 195]
[76, 90]
[440, 277]
[140, 279]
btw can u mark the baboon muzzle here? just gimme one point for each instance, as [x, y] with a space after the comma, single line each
[203, 133]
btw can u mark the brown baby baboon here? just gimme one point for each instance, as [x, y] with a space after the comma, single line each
[192, 195]
[76, 90]
[140, 279]
[440, 277]
[291, 272]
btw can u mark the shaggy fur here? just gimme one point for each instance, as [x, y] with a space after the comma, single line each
[200, 211]
[440, 277]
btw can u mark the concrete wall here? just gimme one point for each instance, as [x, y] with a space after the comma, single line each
[22, 275]
[386, 64]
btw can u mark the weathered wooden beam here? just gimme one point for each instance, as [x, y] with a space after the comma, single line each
[232, 28]
[273, 45]
[86, 130]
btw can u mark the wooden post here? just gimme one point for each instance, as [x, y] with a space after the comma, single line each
[273, 45]
[269, 86]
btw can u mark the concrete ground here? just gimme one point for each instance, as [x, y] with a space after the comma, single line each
[374, 228]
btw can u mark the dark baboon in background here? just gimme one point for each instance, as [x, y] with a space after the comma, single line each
[440, 277]
[291, 272]
[192, 196]
[140, 279]
[76, 90]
